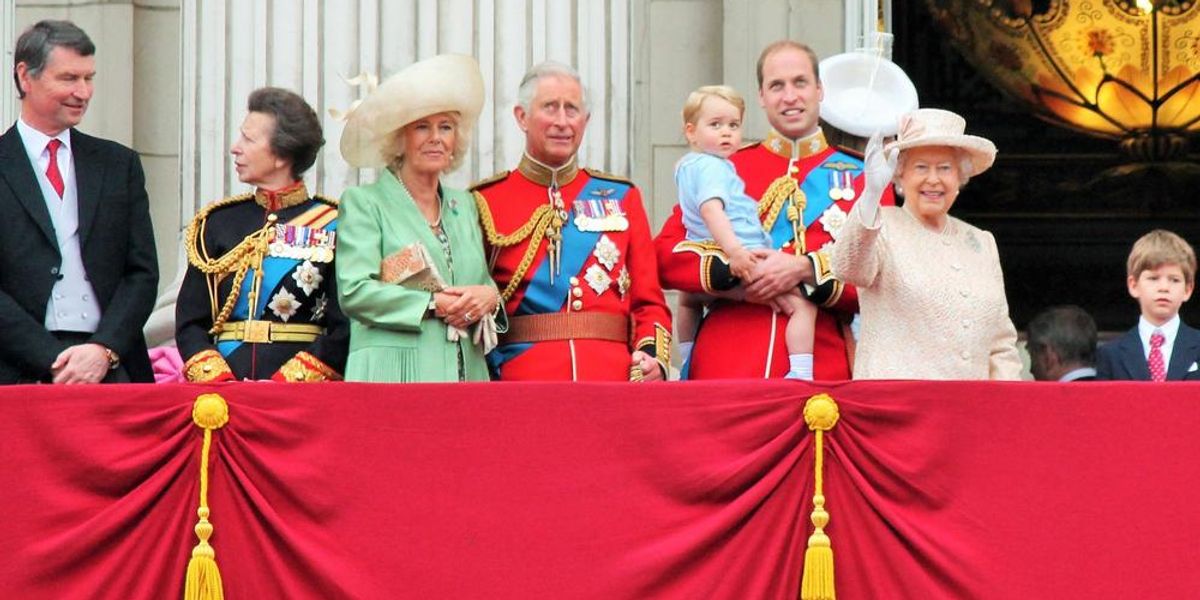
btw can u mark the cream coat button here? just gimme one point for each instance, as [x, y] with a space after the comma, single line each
[577, 305]
[577, 292]
[965, 354]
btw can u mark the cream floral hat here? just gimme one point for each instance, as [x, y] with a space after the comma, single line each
[442, 83]
[937, 127]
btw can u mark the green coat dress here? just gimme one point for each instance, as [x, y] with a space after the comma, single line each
[393, 336]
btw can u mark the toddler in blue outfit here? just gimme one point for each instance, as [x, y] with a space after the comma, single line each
[716, 208]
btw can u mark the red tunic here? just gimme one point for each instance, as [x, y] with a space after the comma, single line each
[617, 273]
[744, 340]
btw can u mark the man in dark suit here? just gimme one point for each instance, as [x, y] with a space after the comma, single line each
[78, 269]
[1062, 345]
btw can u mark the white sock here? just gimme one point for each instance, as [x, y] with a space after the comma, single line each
[685, 351]
[801, 366]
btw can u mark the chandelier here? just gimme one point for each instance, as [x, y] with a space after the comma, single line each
[1127, 70]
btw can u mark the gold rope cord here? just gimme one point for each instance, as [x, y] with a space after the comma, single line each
[534, 230]
[248, 253]
[772, 200]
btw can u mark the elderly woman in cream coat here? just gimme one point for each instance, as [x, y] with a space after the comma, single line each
[930, 287]
[416, 124]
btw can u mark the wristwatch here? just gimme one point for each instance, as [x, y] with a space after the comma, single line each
[114, 359]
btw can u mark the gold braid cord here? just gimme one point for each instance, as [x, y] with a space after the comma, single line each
[773, 199]
[534, 230]
[772, 202]
[248, 253]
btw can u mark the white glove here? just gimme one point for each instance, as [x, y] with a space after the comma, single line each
[879, 170]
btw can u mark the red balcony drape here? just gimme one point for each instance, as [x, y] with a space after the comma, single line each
[682, 490]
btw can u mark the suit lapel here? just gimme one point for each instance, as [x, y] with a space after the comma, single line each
[1183, 354]
[89, 173]
[19, 175]
[1133, 357]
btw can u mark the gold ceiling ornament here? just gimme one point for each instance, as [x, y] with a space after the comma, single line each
[1121, 69]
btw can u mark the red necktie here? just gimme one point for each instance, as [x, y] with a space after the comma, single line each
[1158, 371]
[52, 173]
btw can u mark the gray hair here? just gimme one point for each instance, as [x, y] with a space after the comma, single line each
[1068, 330]
[36, 43]
[544, 69]
[962, 160]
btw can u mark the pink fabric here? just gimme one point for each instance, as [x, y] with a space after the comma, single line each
[167, 364]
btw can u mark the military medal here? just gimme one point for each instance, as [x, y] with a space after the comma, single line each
[848, 186]
[585, 216]
[606, 252]
[835, 186]
[600, 214]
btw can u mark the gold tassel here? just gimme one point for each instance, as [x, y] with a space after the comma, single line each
[821, 414]
[203, 577]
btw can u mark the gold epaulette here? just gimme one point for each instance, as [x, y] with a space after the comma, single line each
[222, 203]
[608, 176]
[326, 199]
[482, 183]
[193, 229]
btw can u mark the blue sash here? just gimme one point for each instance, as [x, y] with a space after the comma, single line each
[544, 296]
[275, 268]
[816, 192]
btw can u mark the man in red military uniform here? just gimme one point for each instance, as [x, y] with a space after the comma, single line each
[571, 252]
[804, 188]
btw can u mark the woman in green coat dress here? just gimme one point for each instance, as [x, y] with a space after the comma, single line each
[417, 124]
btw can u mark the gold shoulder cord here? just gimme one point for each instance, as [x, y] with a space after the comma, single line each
[249, 253]
[772, 202]
[534, 230]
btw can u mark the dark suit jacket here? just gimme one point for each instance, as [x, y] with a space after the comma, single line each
[1124, 358]
[117, 243]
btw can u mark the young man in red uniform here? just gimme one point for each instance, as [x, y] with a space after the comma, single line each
[804, 188]
[571, 252]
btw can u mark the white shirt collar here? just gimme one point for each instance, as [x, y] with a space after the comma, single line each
[1168, 329]
[1077, 373]
[36, 141]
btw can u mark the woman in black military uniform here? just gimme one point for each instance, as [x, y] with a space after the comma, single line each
[259, 300]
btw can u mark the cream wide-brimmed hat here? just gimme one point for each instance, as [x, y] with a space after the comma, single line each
[865, 93]
[443, 83]
[937, 127]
